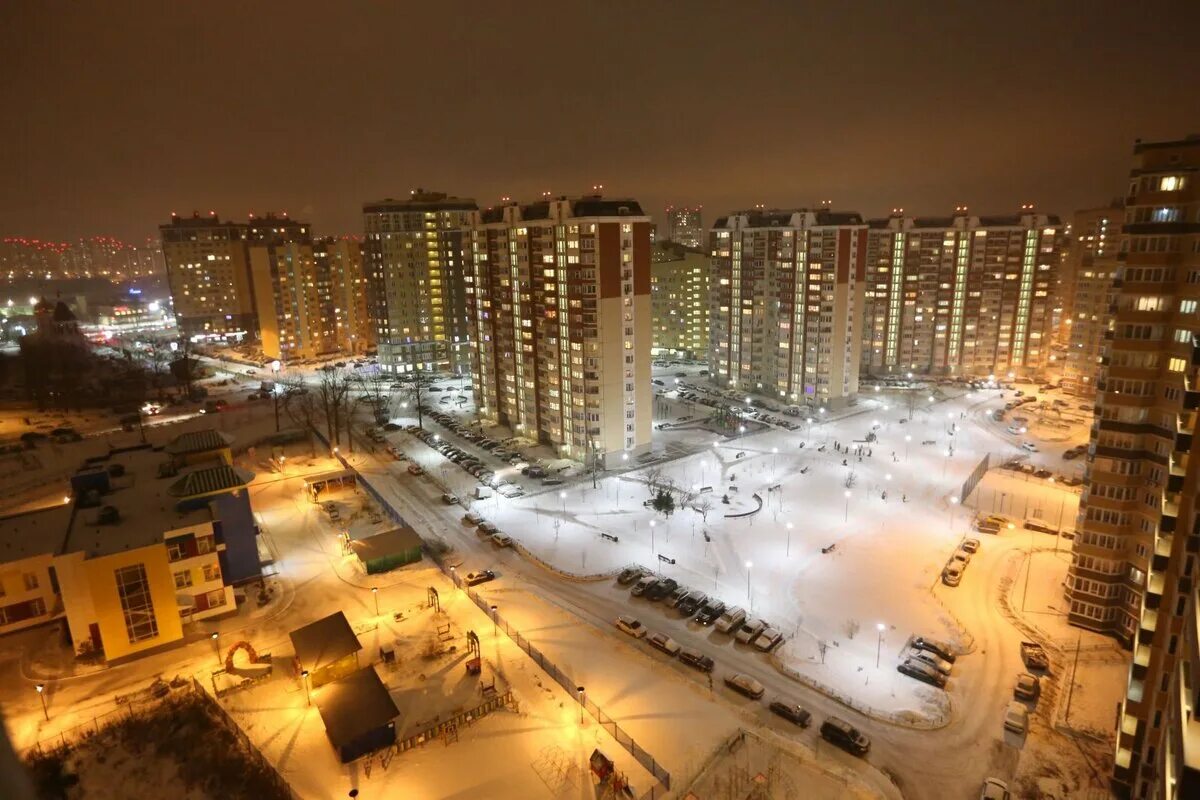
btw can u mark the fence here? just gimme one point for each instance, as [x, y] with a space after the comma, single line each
[252, 752]
[624, 739]
[566, 682]
[124, 709]
[455, 722]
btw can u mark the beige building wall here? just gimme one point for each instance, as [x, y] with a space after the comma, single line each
[27, 597]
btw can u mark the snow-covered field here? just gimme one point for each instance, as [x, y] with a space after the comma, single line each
[841, 542]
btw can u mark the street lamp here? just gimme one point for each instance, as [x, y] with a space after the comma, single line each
[217, 646]
[307, 694]
[749, 596]
[846, 517]
[651, 536]
[879, 647]
[789, 539]
[375, 593]
[579, 693]
[495, 630]
[41, 689]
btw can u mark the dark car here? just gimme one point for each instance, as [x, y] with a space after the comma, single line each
[922, 672]
[710, 611]
[791, 712]
[846, 736]
[661, 589]
[476, 578]
[688, 605]
[938, 648]
[696, 660]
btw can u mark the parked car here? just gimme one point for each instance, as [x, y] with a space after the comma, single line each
[661, 589]
[631, 626]
[488, 527]
[939, 648]
[731, 620]
[709, 612]
[961, 556]
[691, 603]
[1038, 525]
[970, 545]
[750, 629]
[415, 469]
[501, 540]
[660, 641]
[922, 672]
[631, 574]
[1034, 656]
[744, 684]
[1016, 718]
[1027, 687]
[841, 733]
[1029, 447]
[473, 517]
[696, 659]
[952, 574]
[449, 498]
[932, 659]
[791, 712]
[643, 584]
[769, 638]
[677, 596]
[476, 578]
[994, 789]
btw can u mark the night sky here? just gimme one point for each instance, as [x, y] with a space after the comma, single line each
[115, 114]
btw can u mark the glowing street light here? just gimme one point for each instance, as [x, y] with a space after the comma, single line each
[789, 539]
[307, 694]
[846, 517]
[879, 647]
[375, 594]
[749, 596]
[579, 693]
[217, 645]
[41, 690]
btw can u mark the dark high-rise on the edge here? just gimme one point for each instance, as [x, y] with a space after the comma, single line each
[1089, 266]
[685, 226]
[413, 258]
[1133, 565]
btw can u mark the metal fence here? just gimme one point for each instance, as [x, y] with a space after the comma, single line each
[455, 722]
[624, 739]
[124, 709]
[248, 747]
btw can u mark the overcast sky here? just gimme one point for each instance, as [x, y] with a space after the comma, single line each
[118, 113]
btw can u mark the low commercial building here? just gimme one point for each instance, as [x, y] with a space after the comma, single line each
[388, 550]
[359, 714]
[326, 649]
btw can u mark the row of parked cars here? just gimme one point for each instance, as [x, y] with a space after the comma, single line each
[731, 401]
[470, 463]
[701, 608]
[505, 450]
[953, 571]
[928, 660]
[834, 729]
[487, 529]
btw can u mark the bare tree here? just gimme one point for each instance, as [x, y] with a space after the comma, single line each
[416, 390]
[654, 477]
[331, 394]
[704, 506]
[375, 389]
[300, 405]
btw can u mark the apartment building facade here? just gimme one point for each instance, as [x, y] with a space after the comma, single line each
[679, 300]
[558, 294]
[1089, 266]
[960, 295]
[209, 275]
[786, 301]
[1133, 565]
[414, 263]
[340, 262]
[685, 226]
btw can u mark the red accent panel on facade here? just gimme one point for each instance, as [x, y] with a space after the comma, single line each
[608, 259]
[641, 258]
[860, 266]
[843, 256]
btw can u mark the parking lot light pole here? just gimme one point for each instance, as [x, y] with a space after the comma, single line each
[579, 693]
[217, 645]
[375, 593]
[307, 694]
[879, 647]
[41, 690]
[846, 516]
[749, 596]
[495, 629]
[789, 540]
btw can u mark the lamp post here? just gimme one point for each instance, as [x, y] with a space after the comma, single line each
[846, 516]
[495, 629]
[953, 506]
[579, 693]
[375, 593]
[907, 442]
[41, 690]
[749, 596]
[651, 537]
[307, 694]
[217, 646]
[789, 539]
[879, 646]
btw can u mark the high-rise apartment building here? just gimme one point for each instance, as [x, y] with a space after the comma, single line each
[413, 257]
[1089, 266]
[786, 303]
[352, 330]
[558, 293]
[960, 295]
[679, 300]
[208, 270]
[685, 226]
[1133, 565]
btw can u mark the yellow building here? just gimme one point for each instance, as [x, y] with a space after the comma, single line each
[679, 301]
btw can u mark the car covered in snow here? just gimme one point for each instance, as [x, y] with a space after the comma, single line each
[695, 659]
[925, 657]
[961, 556]
[664, 587]
[750, 628]
[631, 574]
[644, 583]
[631, 626]
[744, 684]
[952, 574]
[1034, 656]
[710, 611]
[660, 641]
[676, 597]
[1027, 687]
[941, 649]
[731, 619]
[769, 639]
[502, 540]
[487, 528]
[970, 545]
[692, 602]
[1016, 718]
[473, 517]
[922, 672]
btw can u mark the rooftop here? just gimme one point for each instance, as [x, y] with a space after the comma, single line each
[397, 540]
[34, 533]
[421, 200]
[201, 441]
[319, 644]
[355, 705]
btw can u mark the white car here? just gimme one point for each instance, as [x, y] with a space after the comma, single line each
[925, 657]
[1015, 430]
[731, 620]
[962, 556]
[631, 626]
[1029, 447]
[502, 540]
[970, 545]
[1016, 718]
[952, 574]
[750, 628]
[663, 642]
[768, 639]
